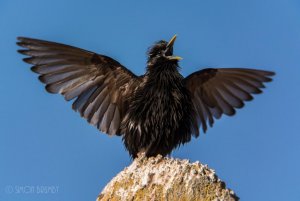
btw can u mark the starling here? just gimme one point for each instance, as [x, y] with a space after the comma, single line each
[155, 112]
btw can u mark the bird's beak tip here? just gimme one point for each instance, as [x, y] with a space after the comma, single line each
[177, 58]
[171, 42]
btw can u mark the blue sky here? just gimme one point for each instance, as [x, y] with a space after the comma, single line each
[44, 143]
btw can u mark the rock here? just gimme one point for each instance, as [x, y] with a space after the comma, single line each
[161, 178]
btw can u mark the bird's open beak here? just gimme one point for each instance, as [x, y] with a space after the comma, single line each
[170, 48]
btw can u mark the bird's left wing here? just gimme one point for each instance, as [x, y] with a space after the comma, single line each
[99, 83]
[219, 91]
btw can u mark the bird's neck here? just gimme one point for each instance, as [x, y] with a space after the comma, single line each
[162, 69]
[163, 75]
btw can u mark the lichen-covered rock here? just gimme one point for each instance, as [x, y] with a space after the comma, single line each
[161, 178]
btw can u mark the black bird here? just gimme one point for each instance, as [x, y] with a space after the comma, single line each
[154, 113]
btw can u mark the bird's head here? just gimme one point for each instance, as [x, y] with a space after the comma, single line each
[162, 52]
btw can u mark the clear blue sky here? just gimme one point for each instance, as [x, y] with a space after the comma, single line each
[44, 143]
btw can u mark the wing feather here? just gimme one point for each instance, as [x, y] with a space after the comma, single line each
[98, 83]
[221, 91]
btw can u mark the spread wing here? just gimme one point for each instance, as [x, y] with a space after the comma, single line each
[219, 91]
[98, 83]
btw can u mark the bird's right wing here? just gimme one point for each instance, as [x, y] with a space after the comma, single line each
[219, 91]
[99, 83]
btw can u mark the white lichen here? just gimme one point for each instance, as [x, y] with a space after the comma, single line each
[159, 178]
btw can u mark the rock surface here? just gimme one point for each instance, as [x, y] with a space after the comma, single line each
[161, 178]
